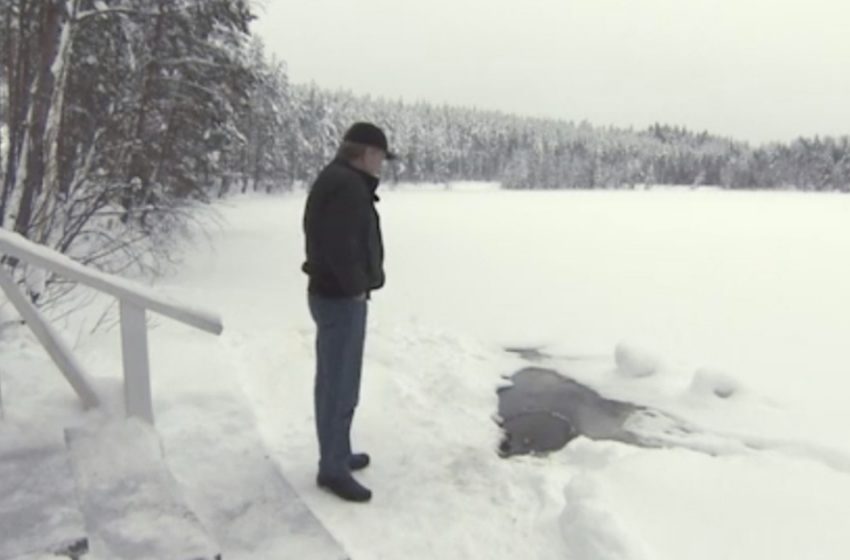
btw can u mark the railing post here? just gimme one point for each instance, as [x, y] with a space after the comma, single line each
[134, 347]
[50, 340]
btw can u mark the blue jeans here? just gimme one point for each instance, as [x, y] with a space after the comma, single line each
[340, 337]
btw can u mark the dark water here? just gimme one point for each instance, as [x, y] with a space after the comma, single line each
[543, 411]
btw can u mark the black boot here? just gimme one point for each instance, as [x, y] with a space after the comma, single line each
[358, 461]
[345, 487]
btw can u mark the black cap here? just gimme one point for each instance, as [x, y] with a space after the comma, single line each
[369, 135]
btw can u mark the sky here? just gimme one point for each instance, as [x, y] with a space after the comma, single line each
[756, 70]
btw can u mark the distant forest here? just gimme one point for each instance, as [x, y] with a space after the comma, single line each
[450, 144]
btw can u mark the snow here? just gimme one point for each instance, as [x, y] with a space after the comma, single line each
[454, 186]
[593, 529]
[677, 504]
[38, 512]
[736, 300]
[35, 280]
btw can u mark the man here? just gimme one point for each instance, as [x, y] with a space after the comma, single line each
[345, 257]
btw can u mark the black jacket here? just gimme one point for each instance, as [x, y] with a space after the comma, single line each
[345, 251]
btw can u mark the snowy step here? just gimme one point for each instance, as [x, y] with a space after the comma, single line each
[238, 491]
[39, 515]
[132, 504]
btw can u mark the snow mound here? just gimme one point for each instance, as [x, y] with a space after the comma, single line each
[710, 383]
[635, 362]
[591, 530]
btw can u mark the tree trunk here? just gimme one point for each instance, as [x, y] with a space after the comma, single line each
[17, 82]
[258, 164]
[32, 155]
[225, 185]
[137, 165]
[52, 179]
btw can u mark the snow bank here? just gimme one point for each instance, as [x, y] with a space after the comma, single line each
[689, 505]
[591, 527]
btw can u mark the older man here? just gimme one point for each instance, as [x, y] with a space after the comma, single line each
[345, 257]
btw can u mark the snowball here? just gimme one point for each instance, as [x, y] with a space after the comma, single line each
[713, 383]
[635, 362]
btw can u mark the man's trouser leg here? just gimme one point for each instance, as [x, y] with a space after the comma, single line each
[340, 337]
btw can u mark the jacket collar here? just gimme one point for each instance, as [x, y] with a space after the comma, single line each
[371, 180]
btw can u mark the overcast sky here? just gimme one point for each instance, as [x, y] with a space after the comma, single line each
[758, 70]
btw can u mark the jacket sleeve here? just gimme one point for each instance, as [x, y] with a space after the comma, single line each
[348, 215]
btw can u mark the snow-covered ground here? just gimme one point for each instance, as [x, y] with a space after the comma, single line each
[729, 310]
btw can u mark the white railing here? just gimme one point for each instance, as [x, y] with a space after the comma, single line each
[134, 301]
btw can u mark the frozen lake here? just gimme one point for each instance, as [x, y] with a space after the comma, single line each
[727, 311]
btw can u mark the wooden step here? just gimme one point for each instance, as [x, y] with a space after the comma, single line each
[132, 505]
[246, 501]
[39, 514]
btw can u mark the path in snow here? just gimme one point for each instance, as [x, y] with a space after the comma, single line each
[441, 489]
